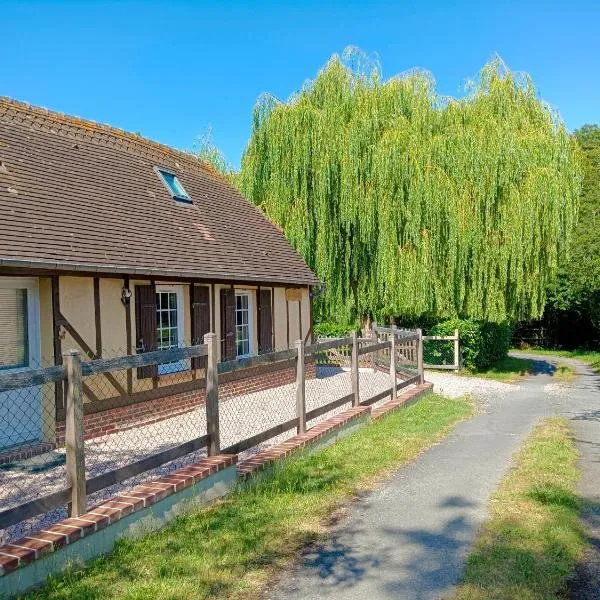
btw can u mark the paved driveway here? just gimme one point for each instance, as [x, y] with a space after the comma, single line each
[409, 539]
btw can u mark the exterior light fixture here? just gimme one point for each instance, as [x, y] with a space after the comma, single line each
[125, 295]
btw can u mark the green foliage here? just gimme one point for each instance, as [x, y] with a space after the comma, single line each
[214, 157]
[407, 203]
[576, 295]
[481, 343]
[333, 330]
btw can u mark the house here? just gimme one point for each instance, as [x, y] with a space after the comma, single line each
[115, 244]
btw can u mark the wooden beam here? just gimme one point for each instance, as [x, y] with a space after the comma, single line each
[145, 464]
[97, 319]
[321, 410]
[300, 388]
[253, 361]
[24, 379]
[374, 347]
[39, 506]
[56, 342]
[91, 354]
[260, 437]
[213, 308]
[75, 449]
[120, 363]
[327, 345]
[287, 321]
[354, 370]
[212, 395]
[128, 340]
[376, 397]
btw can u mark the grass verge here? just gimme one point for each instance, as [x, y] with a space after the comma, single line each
[533, 539]
[590, 357]
[564, 373]
[505, 370]
[232, 548]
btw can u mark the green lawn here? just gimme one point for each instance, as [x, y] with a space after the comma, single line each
[533, 539]
[232, 548]
[590, 357]
[506, 370]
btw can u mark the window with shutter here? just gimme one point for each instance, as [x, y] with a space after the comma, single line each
[200, 313]
[228, 345]
[145, 325]
[265, 316]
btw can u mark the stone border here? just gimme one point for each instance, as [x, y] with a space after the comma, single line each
[27, 562]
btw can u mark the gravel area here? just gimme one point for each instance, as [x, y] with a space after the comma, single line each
[240, 418]
[451, 385]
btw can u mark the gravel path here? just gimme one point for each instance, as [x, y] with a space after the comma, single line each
[454, 386]
[240, 418]
[410, 538]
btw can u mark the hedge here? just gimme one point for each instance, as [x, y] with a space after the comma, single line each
[481, 343]
[333, 330]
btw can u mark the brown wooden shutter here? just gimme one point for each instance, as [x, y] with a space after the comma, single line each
[145, 326]
[265, 316]
[200, 302]
[227, 324]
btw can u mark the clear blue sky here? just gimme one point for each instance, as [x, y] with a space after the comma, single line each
[170, 70]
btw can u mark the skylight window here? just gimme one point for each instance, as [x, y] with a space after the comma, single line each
[173, 185]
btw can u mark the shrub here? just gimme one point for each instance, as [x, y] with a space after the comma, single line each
[481, 343]
[332, 330]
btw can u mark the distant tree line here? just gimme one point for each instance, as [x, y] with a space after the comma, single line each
[572, 315]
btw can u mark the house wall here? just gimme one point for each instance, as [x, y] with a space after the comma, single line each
[77, 307]
[76, 295]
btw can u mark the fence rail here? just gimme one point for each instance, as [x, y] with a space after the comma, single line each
[398, 354]
[437, 352]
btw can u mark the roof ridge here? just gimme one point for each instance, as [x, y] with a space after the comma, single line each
[87, 125]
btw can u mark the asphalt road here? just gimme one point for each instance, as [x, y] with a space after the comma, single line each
[409, 539]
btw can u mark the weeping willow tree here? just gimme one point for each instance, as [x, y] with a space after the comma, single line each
[407, 203]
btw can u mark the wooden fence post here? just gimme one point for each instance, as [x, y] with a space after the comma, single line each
[393, 366]
[212, 395]
[354, 370]
[374, 340]
[420, 357]
[456, 349]
[300, 388]
[74, 446]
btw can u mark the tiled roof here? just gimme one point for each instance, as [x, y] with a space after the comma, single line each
[76, 195]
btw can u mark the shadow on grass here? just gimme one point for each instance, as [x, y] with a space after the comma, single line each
[552, 495]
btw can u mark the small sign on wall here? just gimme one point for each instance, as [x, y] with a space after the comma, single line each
[293, 294]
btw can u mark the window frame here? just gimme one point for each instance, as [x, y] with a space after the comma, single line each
[180, 365]
[248, 294]
[185, 199]
[31, 284]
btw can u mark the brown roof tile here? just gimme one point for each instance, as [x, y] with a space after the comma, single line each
[78, 195]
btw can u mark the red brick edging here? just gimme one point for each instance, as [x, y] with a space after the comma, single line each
[264, 459]
[403, 399]
[23, 551]
[67, 531]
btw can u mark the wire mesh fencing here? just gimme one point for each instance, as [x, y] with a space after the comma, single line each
[31, 460]
[330, 380]
[442, 352]
[142, 416]
[256, 400]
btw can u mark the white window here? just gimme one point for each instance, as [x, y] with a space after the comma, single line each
[169, 324]
[243, 328]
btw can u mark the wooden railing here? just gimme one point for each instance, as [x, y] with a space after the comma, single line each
[74, 371]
